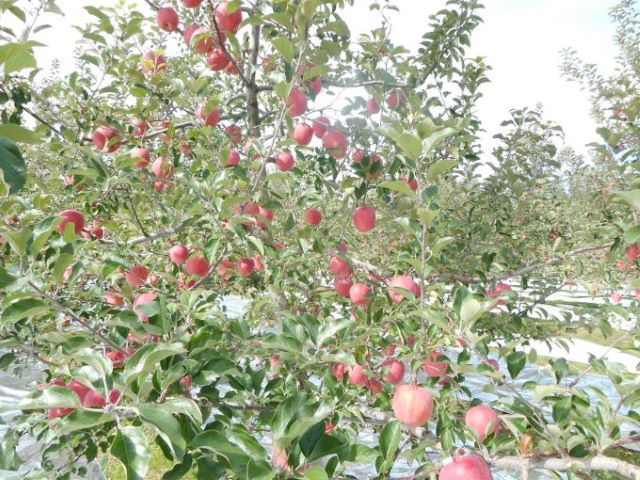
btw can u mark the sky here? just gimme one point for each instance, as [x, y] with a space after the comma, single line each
[520, 39]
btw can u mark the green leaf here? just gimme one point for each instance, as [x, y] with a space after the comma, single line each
[632, 235]
[316, 473]
[515, 363]
[331, 329]
[144, 360]
[50, 397]
[398, 186]
[17, 56]
[561, 409]
[17, 133]
[131, 447]
[179, 470]
[632, 197]
[390, 439]
[285, 47]
[439, 168]
[168, 425]
[12, 165]
[183, 406]
[62, 262]
[83, 420]
[6, 278]
[24, 308]
[436, 137]
[470, 311]
[409, 144]
[98, 362]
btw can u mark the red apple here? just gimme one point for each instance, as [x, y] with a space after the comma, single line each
[297, 102]
[137, 276]
[285, 161]
[397, 99]
[191, 3]
[203, 38]
[211, 118]
[343, 286]
[320, 126]
[412, 405]
[338, 370]
[303, 133]
[54, 413]
[162, 168]
[114, 395]
[104, 136]
[413, 184]
[404, 282]
[143, 299]
[339, 267]
[179, 254]
[358, 293]
[233, 159]
[71, 216]
[312, 216]
[494, 364]
[141, 127]
[433, 367]
[245, 267]
[467, 467]
[94, 399]
[483, 420]
[264, 214]
[117, 358]
[235, 133]
[364, 218]
[336, 142]
[167, 19]
[197, 265]
[373, 106]
[79, 388]
[218, 59]
[188, 33]
[257, 263]
[357, 375]
[228, 22]
[395, 371]
[374, 386]
[144, 156]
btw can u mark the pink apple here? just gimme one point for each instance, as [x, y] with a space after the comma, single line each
[338, 370]
[395, 371]
[143, 299]
[343, 286]
[233, 159]
[167, 19]
[336, 143]
[114, 299]
[297, 102]
[364, 218]
[285, 161]
[467, 467]
[228, 22]
[80, 389]
[320, 126]
[191, 3]
[144, 156]
[312, 216]
[433, 367]
[403, 282]
[358, 293]
[245, 267]
[357, 375]
[397, 99]
[303, 133]
[483, 420]
[412, 405]
[137, 276]
[374, 386]
[218, 59]
[179, 254]
[94, 399]
[197, 265]
[203, 38]
[71, 216]
[105, 136]
[339, 267]
[413, 184]
[162, 168]
[373, 106]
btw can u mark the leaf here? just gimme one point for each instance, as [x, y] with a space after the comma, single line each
[284, 46]
[62, 262]
[439, 168]
[410, 144]
[515, 363]
[397, 185]
[17, 56]
[23, 308]
[436, 137]
[50, 397]
[439, 245]
[6, 278]
[632, 197]
[316, 473]
[561, 409]
[331, 329]
[470, 311]
[98, 362]
[632, 235]
[390, 439]
[183, 406]
[131, 447]
[83, 420]
[168, 425]
[145, 359]
[17, 133]
[12, 165]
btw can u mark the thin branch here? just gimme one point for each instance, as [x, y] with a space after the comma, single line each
[598, 463]
[366, 83]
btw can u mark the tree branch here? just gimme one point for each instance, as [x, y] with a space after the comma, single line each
[598, 463]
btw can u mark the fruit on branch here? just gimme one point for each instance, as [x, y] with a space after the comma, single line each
[232, 69]
[433, 367]
[279, 459]
[167, 19]
[137, 276]
[143, 299]
[285, 161]
[357, 375]
[338, 371]
[233, 158]
[336, 143]
[140, 129]
[343, 286]
[218, 59]
[235, 133]
[94, 399]
[499, 290]
[80, 389]
[114, 395]
[373, 106]
[257, 263]
[339, 267]
[413, 184]
[312, 216]
[296, 102]
[95, 230]
[104, 136]
[466, 467]
[395, 371]
[483, 420]
[364, 218]
[114, 299]
[397, 99]
[493, 363]
[303, 133]
[197, 265]
[203, 39]
[179, 254]
[153, 63]
[264, 214]
[191, 3]
[320, 126]
[412, 405]
[118, 358]
[403, 282]
[210, 118]
[245, 267]
[188, 32]
[162, 168]
[71, 216]
[144, 156]
[374, 386]
[358, 293]
[228, 21]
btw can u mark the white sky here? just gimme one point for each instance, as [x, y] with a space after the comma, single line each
[521, 40]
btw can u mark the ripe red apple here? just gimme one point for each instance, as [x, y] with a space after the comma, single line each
[358, 293]
[114, 299]
[218, 59]
[144, 156]
[103, 136]
[339, 267]
[297, 102]
[395, 371]
[404, 282]
[137, 276]
[167, 19]
[374, 386]
[245, 267]
[264, 214]
[197, 265]
[433, 367]
[188, 32]
[203, 39]
[303, 133]
[338, 370]
[162, 168]
[141, 127]
[211, 118]
[342, 247]
[494, 363]
[412, 405]
[373, 106]
[228, 22]
[483, 420]
[320, 126]
[191, 3]
[179, 254]
[343, 286]
[336, 143]
[364, 218]
[413, 184]
[257, 263]
[467, 467]
[233, 159]
[312, 216]
[285, 161]
[397, 99]
[143, 299]
[79, 388]
[114, 395]
[500, 288]
[357, 375]
[71, 216]
[118, 358]
[94, 399]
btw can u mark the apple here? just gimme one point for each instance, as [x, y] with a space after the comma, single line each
[264, 214]
[412, 405]
[233, 158]
[467, 467]
[179, 254]
[413, 184]
[71, 216]
[197, 265]
[364, 218]
[297, 102]
[167, 19]
[339, 267]
[162, 168]
[493, 363]
[245, 267]
[144, 156]
[373, 106]
[188, 33]
[285, 161]
[94, 399]
[79, 388]
[54, 413]
[228, 22]
[191, 3]
[397, 99]
[140, 129]
[616, 297]
[280, 459]
[342, 247]
[257, 263]
[103, 137]
[143, 299]
[114, 299]
[137, 276]
[500, 288]
[358, 293]
[114, 395]
[395, 371]
[218, 59]
[357, 375]
[343, 286]
[320, 126]
[117, 358]
[633, 252]
[374, 386]
[234, 132]
[160, 186]
[312, 216]
[336, 142]
[203, 40]
[483, 420]
[211, 118]
[433, 367]
[303, 133]
[404, 282]
[338, 370]
[232, 69]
